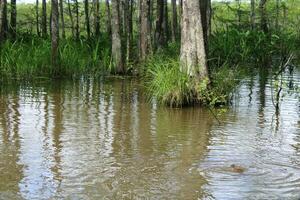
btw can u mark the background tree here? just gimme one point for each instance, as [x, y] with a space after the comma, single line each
[263, 16]
[174, 21]
[13, 19]
[159, 34]
[96, 18]
[252, 17]
[87, 18]
[44, 18]
[116, 50]
[145, 34]
[4, 23]
[54, 33]
[37, 18]
[61, 7]
[108, 19]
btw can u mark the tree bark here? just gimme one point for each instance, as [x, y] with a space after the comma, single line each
[145, 34]
[13, 19]
[44, 18]
[61, 7]
[97, 18]
[54, 33]
[116, 38]
[193, 56]
[205, 20]
[174, 21]
[87, 18]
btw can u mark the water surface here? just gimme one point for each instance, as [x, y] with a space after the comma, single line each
[101, 139]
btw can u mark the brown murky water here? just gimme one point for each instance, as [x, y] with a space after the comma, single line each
[93, 139]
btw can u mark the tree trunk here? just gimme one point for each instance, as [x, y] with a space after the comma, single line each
[108, 21]
[126, 31]
[253, 14]
[263, 17]
[174, 21]
[193, 56]
[71, 19]
[159, 36]
[97, 18]
[77, 20]
[61, 7]
[54, 33]
[37, 18]
[116, 38]
[44, 18]
[4, 23]
[205, 20]
[87, 18]
[145, 34]
[166, 21]
[1, 23]
[13, 20]
[238, 12]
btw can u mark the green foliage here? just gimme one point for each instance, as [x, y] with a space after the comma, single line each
[31, 58]
[224, 81]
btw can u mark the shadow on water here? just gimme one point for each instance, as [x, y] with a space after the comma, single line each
[101, 139]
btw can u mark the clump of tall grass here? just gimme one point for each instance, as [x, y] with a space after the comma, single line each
[168, 85]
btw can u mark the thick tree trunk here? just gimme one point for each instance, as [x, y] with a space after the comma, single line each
[77, 19]
[97, 18]
[13, 19]
[145, 34]
[263, 16]
[252, 14]
[116, 50]
[193, 56]
[174, 21]
[205, 20]
[37, 18]
[71, 19]
[54, 33]
[61, 7]
[44, 18]
[108, 20]
[87, 18]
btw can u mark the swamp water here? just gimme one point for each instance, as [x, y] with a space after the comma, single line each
[93, 139]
